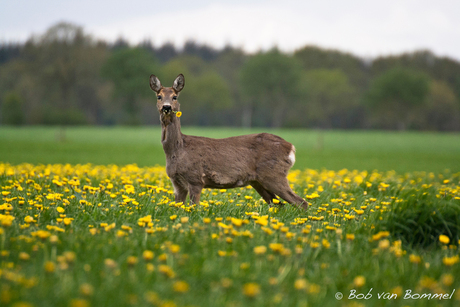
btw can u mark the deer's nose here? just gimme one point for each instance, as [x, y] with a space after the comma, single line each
[166, 108]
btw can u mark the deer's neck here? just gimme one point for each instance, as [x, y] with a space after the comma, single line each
[171, 136]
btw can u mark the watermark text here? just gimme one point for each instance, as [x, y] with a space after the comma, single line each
[408, 295]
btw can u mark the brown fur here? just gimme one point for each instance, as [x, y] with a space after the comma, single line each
[193, 163]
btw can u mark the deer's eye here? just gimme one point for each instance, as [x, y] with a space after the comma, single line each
[174, 97]
[159, 97]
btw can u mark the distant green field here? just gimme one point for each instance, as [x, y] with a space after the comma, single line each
[361, 150]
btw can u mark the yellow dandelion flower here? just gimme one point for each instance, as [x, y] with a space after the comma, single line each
[300, 284]
[166, 270]
[29, 219]
[174, 248]
[42, 234]
[54, 239]
[222, 253]
[384, 244]
[397, 290]
[108, 227]
[260, 250]
[181, 286]
[131, 260]
[380, 235]
[86, 289]
[237, 222]
[125, 227]
[49, 267]
[110, 263]
[79, 303]
[150, 267]
[267, 230]
[251, 289]
[276, 247]
[179, 114]
[24, 256]
[262, 221]
[121, 233]
[447, 279]
[415, 259]
[450, 261]
[147, 255]
[163, 257]
[359, 212]
[224, 226]
[444, 239]
[314, 288]
[245, 266]
[350, 236]
[226, 282]
[359, 281]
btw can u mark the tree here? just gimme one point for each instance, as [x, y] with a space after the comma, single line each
[166, 52]
[395, 95]
[208, 94]
[442, 110]
[206, 91]
[269, 81]
[204, 52]
[129, 70]
[355, 68]
[228, 65]
[438, 68]
[12, 113]
[57, 76]
[329, 99]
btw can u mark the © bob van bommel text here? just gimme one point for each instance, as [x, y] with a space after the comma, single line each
[408, 295]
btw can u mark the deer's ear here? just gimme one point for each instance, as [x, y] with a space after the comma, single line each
[179, 83]
[155, 83]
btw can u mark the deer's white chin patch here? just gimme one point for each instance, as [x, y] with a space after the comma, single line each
[292, 155]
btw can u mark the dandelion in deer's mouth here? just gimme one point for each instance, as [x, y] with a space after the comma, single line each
[178, 113]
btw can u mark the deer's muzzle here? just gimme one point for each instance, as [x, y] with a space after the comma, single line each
[166, 108]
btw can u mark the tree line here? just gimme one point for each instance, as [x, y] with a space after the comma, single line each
[66, 77]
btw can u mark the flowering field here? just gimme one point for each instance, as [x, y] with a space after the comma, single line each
[86, 235]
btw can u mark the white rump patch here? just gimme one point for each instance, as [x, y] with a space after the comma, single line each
[292, 155]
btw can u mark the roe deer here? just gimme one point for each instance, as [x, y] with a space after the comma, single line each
[193, 163]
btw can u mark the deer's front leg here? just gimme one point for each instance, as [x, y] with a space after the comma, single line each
[195, 193]
[180, 193]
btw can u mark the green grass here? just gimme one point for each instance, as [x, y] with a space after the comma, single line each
[77, 236]
[361, 150]
[71, 235]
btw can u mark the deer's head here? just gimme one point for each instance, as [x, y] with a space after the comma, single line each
[167, 102]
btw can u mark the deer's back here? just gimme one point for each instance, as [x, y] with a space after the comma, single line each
[232, 161]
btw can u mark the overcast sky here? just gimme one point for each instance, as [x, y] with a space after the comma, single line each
[363, 27]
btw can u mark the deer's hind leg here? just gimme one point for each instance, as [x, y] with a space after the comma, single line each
[195, 193]
[283, 190]
[266, 194]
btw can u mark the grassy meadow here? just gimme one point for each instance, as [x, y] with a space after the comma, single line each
[361, 150]
[88, 218]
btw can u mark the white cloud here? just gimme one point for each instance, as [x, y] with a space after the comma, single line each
[366, 28]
